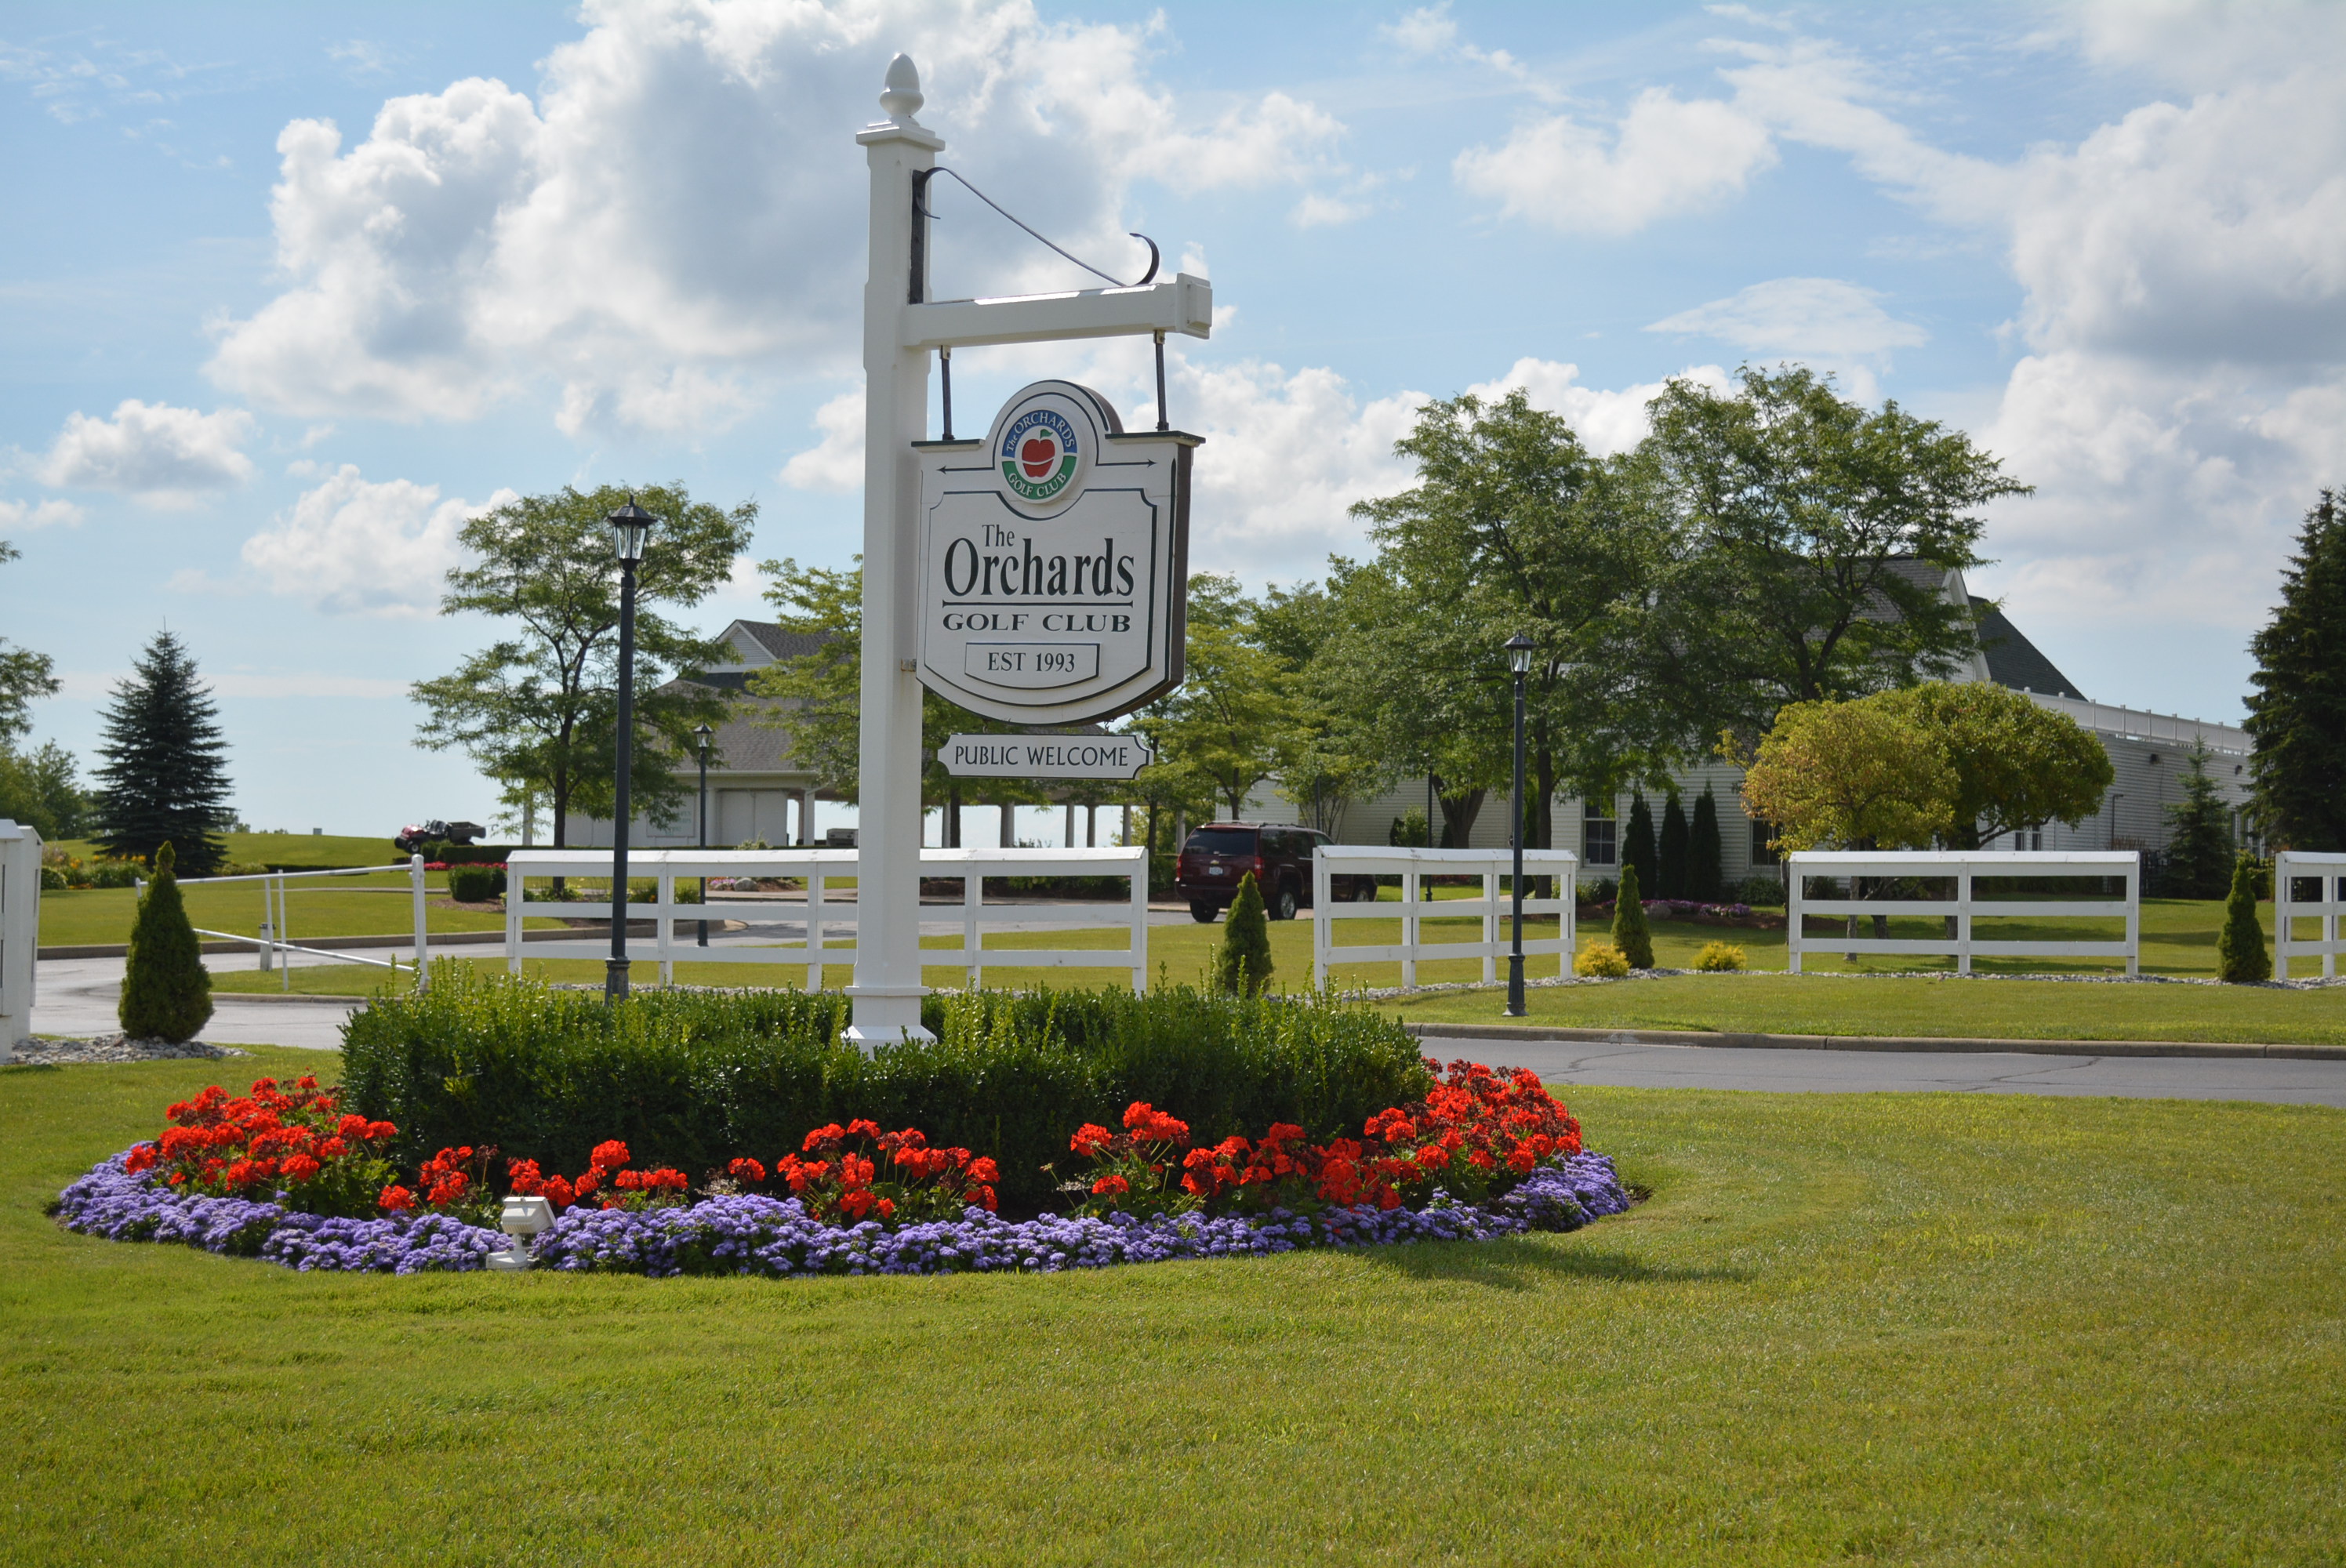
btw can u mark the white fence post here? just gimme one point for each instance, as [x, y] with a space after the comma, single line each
[20, 932]
[1794, 918]
[422, 958]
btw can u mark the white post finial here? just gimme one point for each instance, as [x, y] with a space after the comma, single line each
[901, 99]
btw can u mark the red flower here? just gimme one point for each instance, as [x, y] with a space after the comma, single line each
[141, 1158]
[983, 1169]
[589, 1180]
[609, 1156]
[1091, 1139]
[628, 1181]
[301, 1167]
[746, 1170]
[381, 1130]
[887, 1208]
[558, 1192]
[395, 1199]
[1111, 1186]
[525, 1179]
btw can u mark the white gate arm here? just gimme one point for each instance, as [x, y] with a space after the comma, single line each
[1180, 304]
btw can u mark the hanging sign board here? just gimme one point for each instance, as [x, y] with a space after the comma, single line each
[1054, 562]
[1045, 756]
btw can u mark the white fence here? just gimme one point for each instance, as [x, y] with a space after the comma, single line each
[275, 941]
[1962, 867]
[2329, 906]
[828, 907]
[1413, 866]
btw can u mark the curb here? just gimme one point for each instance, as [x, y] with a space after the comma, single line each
[1878, 1043]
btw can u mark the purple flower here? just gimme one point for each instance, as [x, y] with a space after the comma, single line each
[778, 1239]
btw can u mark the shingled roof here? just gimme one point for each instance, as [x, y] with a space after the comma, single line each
[2011, 659]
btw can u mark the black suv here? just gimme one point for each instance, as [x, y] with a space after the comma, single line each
[1218, 855]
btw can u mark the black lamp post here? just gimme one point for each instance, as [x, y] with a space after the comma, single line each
[701, 733]
[1519, 661]
[630, 527]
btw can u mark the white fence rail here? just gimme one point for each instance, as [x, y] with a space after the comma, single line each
[2328, 905]
[828, 908]
[1962, 867]
[274, 943]
[1413, 866]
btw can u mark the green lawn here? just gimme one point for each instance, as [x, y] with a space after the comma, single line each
[1909, 1329]
[321, 850]
[1988, 1009]
[355, 906]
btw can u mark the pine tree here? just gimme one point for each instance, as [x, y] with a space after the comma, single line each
[1670, 854]
[2200, 841]
[167, 993]
[1629, 932]
[1243, 961]
[1637, 843]
[2240, 955]
[1706, 858]
[2297, 715]
[164, 778]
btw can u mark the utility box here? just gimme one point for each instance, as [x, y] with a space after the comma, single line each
[20, 932]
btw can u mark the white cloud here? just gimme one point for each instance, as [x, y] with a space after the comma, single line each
[1666, 156]
[163, 455]
[678, 213]
[352, 545]
[835, 463]
[1317, 210]
[1428, 30]
[1606, 421]
[40, 514]
[1824, 321]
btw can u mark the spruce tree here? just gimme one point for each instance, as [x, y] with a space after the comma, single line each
[164, 778]
[2200, 841]
[2297, 715]
[2240, 955]
[1242, 963]
[1638, 844]
[167, 993]
[1706, 858]
[1629, 932]
[1670, 853]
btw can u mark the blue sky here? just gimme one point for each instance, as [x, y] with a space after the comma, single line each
[291, 290]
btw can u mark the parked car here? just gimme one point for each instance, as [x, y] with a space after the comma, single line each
[415, 835]
[1219, 854]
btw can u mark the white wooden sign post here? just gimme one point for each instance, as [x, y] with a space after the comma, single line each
[901, 326]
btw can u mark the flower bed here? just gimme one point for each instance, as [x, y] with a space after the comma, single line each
[749, 1235]
[282, 1173]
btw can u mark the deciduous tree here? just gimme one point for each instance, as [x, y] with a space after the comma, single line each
[1850, 775]
[539, 709]
[2017, 765]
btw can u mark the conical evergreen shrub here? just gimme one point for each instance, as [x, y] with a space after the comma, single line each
[1706, 857]
[1629, 932]
[1242, 963]
[2240, 955]
[1637, 843]
[165, 993]
[1670, 856]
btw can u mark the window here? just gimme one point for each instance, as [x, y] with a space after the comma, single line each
[1223, 840]
[1762, 855]
[1596, 835]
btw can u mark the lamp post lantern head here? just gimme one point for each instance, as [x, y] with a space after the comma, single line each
[702, 733]
[630, 527]
[1519, 653]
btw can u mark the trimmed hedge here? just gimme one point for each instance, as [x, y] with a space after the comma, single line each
[691, 1079]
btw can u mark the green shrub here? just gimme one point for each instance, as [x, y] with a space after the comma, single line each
[692, 1079]
[1761, 890]
[1243, 961]
[1629, 932]
[1601, 959]
[1720, 958]
[1603, 891]
[165, 993]
[2240, 955]
[1706, 855]
[476, 884]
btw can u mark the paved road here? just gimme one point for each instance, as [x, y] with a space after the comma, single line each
[1855, 1072]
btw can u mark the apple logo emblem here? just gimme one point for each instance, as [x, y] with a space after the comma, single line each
[1038, 455]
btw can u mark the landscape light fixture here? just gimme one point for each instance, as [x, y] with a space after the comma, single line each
[1519, 661]
[521, 1218]
[630, 527]
[701, 733]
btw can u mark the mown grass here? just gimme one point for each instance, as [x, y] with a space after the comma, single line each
[1911, 1328]
[1984, 1009]
[375, 906]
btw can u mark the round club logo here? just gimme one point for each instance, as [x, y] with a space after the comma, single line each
[1039, 454]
